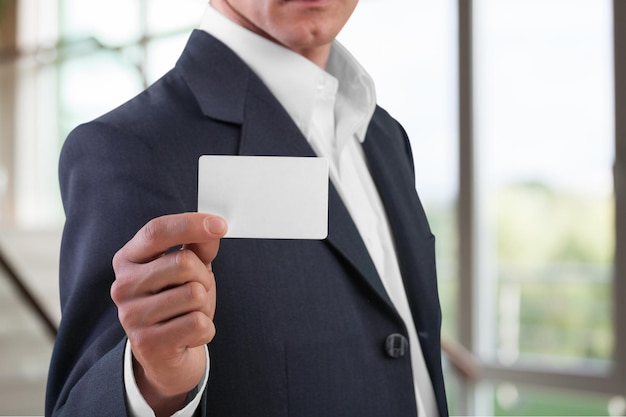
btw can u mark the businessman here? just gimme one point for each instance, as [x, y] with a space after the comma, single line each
[162, 316]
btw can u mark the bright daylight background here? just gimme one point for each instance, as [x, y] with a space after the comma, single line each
[544, 149]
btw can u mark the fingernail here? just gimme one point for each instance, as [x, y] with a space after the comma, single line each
[215, 225]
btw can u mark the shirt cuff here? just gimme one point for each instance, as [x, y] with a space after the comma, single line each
[137, 405]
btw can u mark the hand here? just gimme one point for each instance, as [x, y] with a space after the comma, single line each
[166, 303]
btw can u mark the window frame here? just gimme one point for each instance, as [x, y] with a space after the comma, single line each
[611, 382]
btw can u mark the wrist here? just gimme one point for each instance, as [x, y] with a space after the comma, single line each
[162, 403]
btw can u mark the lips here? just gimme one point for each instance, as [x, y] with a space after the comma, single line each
[312, 2]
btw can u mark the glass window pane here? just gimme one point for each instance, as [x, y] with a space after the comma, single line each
[112, 22]
[36, 202]
[109, 79]
[165, 16]
[545, 148]
[162, 54]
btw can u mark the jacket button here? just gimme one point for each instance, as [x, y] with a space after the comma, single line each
[396, 345]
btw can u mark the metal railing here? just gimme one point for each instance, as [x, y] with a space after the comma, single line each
[27, 295]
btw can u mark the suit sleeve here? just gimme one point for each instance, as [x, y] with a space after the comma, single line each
[110, 186]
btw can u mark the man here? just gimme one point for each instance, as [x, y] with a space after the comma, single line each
[348, 326]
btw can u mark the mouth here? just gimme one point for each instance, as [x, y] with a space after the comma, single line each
[312, 2]
[309, 4]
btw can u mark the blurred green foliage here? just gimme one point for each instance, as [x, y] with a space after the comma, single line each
[558, 248]
[538, 225]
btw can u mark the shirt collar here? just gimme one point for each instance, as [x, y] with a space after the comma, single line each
[356, 92]
[294, 80]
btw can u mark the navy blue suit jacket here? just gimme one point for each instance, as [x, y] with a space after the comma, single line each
[301, 325]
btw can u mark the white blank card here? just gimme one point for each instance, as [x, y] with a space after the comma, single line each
[266, 197]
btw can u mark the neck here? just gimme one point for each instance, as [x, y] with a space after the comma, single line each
[318, 55]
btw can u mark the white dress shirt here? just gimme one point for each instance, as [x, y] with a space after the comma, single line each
[332, 108]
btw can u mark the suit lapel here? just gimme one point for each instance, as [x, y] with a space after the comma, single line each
[393, 174]
[236, 95]
[268, 130]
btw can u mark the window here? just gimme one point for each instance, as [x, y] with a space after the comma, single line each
[77, 60]
[542, 204]
[545, 150]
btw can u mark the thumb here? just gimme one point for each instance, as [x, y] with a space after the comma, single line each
[207, 251]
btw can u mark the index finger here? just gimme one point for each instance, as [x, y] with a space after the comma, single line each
[165, 232]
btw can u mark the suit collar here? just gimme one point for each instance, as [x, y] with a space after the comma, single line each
[216, 77]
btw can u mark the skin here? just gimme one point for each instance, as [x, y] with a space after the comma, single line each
[307, 27]
[166, 300]
[166, 303]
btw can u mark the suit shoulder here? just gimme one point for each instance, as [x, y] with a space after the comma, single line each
[158, 106]
[384, 124]
[146, 117]
[382, 118]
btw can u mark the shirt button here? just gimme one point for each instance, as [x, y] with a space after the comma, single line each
[396, 345]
